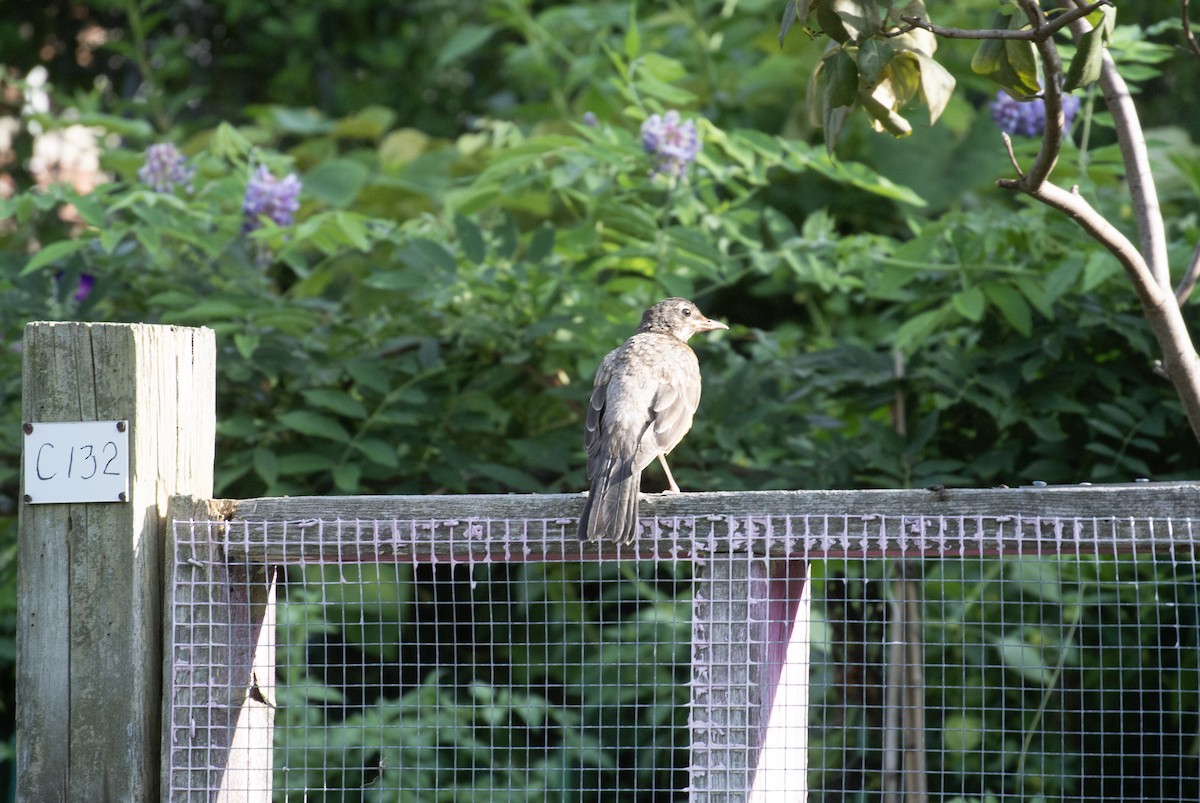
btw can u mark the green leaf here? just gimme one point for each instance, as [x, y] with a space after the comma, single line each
[266, 466]
[427, 255]
[937, 86]
[633, 39]
[302, 121]
[370, 123]
[1012, 306]
[346, 477]
[873, 57]
[970, 303]
[306, 422]
[842, 72]
[470, 239]
[1061, 279]
[1022, 58]
[831, 22]
[353, 227]
[246, 343]
[844, 20]
[51, 253]
[796, 10]
[1047, 430]
[1089, 55]
[465, 41]
[378, 452]
[336, 181]
[542, 243]
[396, 280]
[111, 237]
[228, 143]
[1010, 63]
[337, 401]
[1024, 659]
[1100, 266]
[916, 330]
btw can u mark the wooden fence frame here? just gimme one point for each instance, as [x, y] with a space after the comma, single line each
[91, 652]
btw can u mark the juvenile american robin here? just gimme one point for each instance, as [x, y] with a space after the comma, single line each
[643, 400]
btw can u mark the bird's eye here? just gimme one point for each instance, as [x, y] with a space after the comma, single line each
[687, 311]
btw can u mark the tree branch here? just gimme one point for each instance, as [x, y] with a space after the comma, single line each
[1043, 31]
[1187, 28]
[1132, 142]
[1190, 276]
[1180, 361]
[1052, 133]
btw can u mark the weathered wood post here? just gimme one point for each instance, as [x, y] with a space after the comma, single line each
[89, 632]
[750, 664]
[219, 663]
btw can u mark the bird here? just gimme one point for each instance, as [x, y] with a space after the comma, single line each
[644, 397]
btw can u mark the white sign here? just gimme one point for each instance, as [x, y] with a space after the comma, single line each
[79, 461]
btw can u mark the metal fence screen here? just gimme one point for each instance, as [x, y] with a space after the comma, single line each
[794, 658]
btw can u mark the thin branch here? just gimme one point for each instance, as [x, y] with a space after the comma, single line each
[1134, 153]
[1076, 207]
[1012, 157]
[1043, 31]
[1052, 69]
[1187, 28]
[1188, 282]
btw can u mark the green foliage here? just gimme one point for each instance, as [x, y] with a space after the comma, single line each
[529, 680]
[1031, 664]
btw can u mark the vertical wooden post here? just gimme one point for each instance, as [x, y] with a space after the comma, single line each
[89, 632]
[749, 717]
[219, 648]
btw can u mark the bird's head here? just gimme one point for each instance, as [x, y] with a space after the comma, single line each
[678, 317]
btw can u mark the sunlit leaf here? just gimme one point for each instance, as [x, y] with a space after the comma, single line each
[52, 253]
[937, 86]
[1010, 63]
[1012, 306]
[463, 42]
[1024, 659]
[873, 56]
[970, 303]
[1089, 55]
[307, 422]
[336, 181]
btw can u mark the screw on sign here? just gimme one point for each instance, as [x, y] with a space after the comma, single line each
[76, 461]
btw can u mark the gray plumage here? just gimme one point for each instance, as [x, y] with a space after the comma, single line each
[645, 394]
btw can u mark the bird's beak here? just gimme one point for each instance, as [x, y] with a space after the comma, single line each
[704, 324]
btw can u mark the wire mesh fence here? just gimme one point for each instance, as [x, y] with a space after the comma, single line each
[781, 658]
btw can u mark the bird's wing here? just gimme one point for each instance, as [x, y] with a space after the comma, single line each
[674, 406]
[593, 427]
[675, 398]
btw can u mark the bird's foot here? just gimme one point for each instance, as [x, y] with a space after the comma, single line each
[672, 490]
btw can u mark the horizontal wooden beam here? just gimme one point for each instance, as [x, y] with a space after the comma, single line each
[800, 524]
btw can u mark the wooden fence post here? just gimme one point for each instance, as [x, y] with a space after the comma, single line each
[749, 717]
[89, 632]
[219, 663]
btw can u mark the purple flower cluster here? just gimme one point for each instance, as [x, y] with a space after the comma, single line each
[166, 168]
[672, 141]
[1028, 118]
[277, 198]
[83, 289]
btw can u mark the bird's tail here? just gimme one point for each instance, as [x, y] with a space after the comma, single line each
[612, 504]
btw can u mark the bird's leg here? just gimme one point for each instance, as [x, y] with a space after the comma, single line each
[674, 489]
